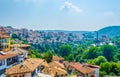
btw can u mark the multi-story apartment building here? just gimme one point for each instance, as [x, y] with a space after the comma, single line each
[4, 40]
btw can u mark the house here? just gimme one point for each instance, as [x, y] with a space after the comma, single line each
[28, 68]
[7, 60]
[56, 64]
[23, 46]
[55, 69]
[80, 70]
[22, 53]
[55, 72]
[4, 40]
[95, 67]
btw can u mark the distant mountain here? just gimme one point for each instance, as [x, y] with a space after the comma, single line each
[110, 31]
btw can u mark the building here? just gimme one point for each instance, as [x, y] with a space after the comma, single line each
[80, 70]
[7, 60]
[28, 68]
[95, 67]
[4, 40]
[22, 53]
[59, 59]
[55, 69]
[23, 46]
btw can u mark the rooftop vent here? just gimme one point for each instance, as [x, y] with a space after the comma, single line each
[32, 62]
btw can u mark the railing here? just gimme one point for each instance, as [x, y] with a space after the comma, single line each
[12, 62]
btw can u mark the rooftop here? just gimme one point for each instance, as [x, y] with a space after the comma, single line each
[56, 58]
[83, 69]
[19, 45]
[18, 51]
[56, 64]
[6, 55]
[27, 66]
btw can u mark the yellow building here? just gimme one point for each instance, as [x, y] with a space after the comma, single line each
[4, 40]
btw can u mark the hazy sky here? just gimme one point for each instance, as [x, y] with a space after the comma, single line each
[60, 14]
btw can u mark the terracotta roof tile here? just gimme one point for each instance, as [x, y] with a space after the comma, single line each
[81, 68]
[56, 58]
[56, 64]
[7, 55]
[18, 51]
[19, 45]
[28, 65]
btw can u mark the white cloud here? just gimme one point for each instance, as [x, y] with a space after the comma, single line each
[108, 14]
[70, 6]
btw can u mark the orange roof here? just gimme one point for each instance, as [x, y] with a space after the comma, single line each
[83, 69]
[28, 65]
[56, 58]
[54, 70]
[19, 45]
[18, 51]
[56, 64]
[7, 55]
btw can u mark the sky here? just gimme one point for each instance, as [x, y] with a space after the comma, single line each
[60, 14]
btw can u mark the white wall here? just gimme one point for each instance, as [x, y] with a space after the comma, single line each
[28, 75]
[3, 66]
[97, 71]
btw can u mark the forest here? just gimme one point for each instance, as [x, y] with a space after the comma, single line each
[106, 56]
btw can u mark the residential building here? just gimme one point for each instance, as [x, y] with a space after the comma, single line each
[80, 70]
[22, 53]
[95, 67]
[4, 40]
[7, 60]
[28, 68]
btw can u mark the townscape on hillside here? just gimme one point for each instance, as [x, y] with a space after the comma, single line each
[14, 62]
[34, 53]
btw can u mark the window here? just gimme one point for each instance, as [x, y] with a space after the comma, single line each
[0, 62]
[22, 76]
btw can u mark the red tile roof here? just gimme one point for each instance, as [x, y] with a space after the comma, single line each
[83, 69]
[7, 55]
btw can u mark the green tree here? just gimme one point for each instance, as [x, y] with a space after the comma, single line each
[108, 51]
[65, 50]
[99, 60]
[70, 58]
[91, 53]
[48, 56]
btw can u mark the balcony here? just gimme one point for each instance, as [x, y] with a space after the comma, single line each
[11, 61]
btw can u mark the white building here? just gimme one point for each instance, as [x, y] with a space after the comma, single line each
[7, 60]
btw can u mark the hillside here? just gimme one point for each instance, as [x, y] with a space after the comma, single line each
[110, 31]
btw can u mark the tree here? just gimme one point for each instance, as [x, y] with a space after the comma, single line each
[48, 56]
[111, 68]
[99, 60]
[65, 50]
[78, 58]
[70, 58]
[91, 53]
[108, 51]
[14, 36]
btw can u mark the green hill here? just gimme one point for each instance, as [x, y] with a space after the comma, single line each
[110, 31]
